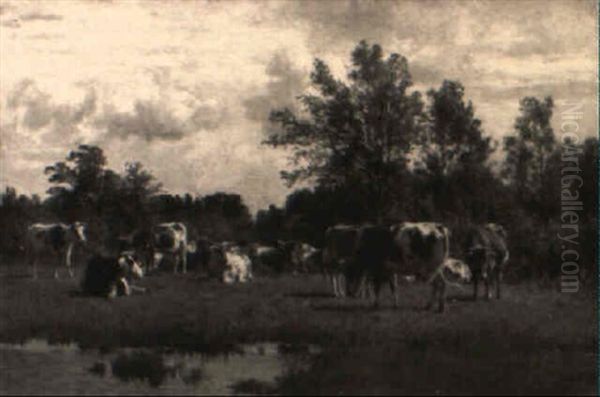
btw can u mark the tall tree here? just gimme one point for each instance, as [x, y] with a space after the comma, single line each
[454, 136]
[356, 132]
[529, 148]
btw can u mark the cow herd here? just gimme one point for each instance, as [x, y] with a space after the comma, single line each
[358, 260]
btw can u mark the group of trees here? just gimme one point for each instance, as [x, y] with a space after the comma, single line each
[379, 152]
[374, 150]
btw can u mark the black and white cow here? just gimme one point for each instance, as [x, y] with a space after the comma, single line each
[486, 253]
[170, 240]
[229, 263]
[111, 276]
[54, 242]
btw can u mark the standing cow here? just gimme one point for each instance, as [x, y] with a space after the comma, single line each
[170, 240]
[487, 254]
[55, 242]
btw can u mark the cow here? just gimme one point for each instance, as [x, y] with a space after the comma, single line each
[422, 249]
[229, 263]
[271, 259]
[486, 253]
[141, 242]
[56, 241]
[170, 240]
[109, 277]
[338, 252]
[304, 257]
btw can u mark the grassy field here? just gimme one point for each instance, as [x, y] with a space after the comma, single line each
[533, 341]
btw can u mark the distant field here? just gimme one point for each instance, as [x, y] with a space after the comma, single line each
[532, 341]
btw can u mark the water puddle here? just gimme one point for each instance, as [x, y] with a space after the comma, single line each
[37, 367]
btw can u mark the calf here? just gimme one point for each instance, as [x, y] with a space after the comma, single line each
[338, 253]
[53, 241]
[487, 254]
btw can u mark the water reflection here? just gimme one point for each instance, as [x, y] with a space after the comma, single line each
[37, 367]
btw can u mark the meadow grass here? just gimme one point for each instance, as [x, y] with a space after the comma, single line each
[535, 340]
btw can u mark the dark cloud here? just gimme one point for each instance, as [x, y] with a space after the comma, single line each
[149, 120]
[40, 111]
[285, 83]
[38, 16]
[152, 121]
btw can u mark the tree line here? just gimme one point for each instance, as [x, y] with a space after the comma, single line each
[374, 150]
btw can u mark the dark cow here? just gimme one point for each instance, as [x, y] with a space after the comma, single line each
[338, 255]
[170, 240]
[487, 254]
[271, 259]
[421, 248]
[55, 242]
[111, 276]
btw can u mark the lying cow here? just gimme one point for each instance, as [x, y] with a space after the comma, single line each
[487, 254]
[229, 263]
[170, 240]
[54, 242]
[111, 276]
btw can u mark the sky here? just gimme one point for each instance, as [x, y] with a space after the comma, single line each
[185, 87]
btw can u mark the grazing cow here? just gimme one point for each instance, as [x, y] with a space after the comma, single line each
[338, 253]
[170, 239]
[304, 257]
[54, 240]
[229, 264]
[487, 255]
[110, 276]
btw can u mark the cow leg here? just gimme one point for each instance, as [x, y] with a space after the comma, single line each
[432, 298]
[334, 282]
[183, 256]
[376, 289]
[488, 292]
[475, 284]
[441, 296]
[394, 288]
[342, 285]
[68, 261]
[498, 282]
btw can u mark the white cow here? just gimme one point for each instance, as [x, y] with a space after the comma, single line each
[54, 242]
[238, 266]
[170, 239]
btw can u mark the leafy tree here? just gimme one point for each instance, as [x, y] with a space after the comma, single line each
[529, 148]
[355, 133]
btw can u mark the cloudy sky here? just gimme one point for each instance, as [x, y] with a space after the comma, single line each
[185, 87]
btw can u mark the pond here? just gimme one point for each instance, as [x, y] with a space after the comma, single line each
[37, 367]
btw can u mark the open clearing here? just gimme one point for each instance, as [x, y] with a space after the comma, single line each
[535, 340]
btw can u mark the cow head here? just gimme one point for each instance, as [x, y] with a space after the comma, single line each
[130, 265]
[79, 229]
[496, 229]
[457, 270]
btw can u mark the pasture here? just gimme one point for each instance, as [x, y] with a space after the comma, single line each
[535, 340]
